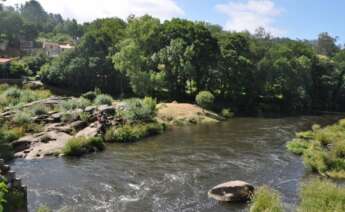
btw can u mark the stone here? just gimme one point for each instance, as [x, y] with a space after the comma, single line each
[23, 143]
[90, 131]
[57, 143]
[109, 110]
[78, 125]
[56, 117]
[90, 109]
[232, 191]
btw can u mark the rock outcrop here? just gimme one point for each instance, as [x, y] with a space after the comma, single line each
[57, 132]
[232, 191]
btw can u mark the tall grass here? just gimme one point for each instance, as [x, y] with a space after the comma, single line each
[79, 146]
[321, 196]
[11, 96]
[266, 200]
[132, 133]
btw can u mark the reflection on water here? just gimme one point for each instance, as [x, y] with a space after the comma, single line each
[174, 171]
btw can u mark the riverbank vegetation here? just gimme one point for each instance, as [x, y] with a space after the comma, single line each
[322, 149]
[3, 192]
[51, 124]
[13, 96]
[322, 196]
[79, 146]
[266, 199]
[131, 133]
[315, 195]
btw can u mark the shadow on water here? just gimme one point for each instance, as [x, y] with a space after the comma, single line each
[174, 171]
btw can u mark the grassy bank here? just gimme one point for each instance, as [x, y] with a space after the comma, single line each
[131, 133]
[266, 199]
[79, 146]
[315, 196]
[322, 149]
[13, 96]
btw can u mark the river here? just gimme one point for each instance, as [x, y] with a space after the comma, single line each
[173, 171]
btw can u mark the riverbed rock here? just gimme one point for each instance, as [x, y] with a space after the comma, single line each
[52, 148]
[90, 109]
[90, 131]
[57, 116]
[78, 125]
[232, 191]
[109, 110]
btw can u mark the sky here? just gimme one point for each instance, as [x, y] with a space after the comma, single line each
[297, 19]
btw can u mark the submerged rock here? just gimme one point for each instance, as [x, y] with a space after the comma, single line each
[232, 191]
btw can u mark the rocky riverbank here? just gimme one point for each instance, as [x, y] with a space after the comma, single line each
[55, 120]
[56, 130]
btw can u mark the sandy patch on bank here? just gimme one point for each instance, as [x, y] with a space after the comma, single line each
[183, 114]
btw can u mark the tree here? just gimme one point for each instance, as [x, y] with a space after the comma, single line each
[326, 45]
[33, 13]
[287, 71]
[235, 72]
[204, 46]
[89, 65]
[134, 55]
[175, 64]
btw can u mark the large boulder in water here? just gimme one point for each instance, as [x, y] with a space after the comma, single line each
[232, 191]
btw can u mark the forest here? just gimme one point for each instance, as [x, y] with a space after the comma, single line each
[178, 58]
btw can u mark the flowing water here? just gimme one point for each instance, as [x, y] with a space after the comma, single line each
[174, 171]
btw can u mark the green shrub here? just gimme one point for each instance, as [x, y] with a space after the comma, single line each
[315, 158]
[266, 200]
[298, 146]
[205, 99]
[323, 149]
[321, 196]
[138, 110]
[132, 133]
[72, 104]
[227, 113]
[14, 96]
[15, 200]
[150, 103]
[85, 117]
[19, 69]
[3, 192]
[12, 92]
[39, 109]
[103, 99]
[22, 118]
[69, 117]
[79, 146]
[91, 95]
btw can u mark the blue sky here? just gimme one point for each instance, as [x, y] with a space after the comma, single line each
[303, 19]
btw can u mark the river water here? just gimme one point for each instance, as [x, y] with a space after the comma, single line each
[173, 171]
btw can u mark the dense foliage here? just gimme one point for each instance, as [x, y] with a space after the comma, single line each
[323, 149]
[176, 59]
